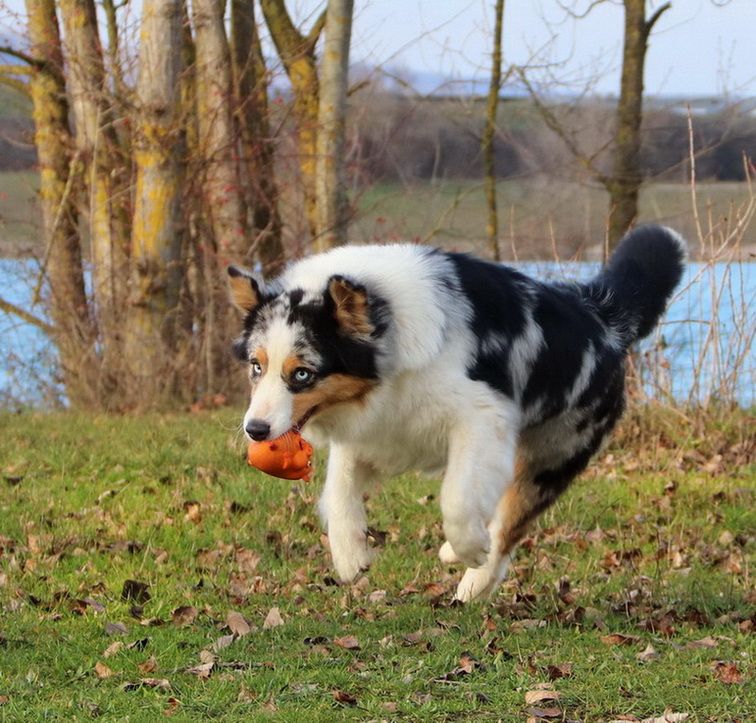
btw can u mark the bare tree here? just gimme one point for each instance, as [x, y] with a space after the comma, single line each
[297, 53]
[625, 181]
[257, 151]
[101, 198]
[69, 309]
[489, 131]
[330, 181]
[157, 226]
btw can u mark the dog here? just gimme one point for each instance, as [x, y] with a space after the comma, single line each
[405, 357]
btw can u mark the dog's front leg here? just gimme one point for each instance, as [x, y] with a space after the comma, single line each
[342, 510]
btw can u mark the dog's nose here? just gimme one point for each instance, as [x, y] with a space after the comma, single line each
[258, 430]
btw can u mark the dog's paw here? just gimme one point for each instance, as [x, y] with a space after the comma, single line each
[470, 541]
[352, 555]
[447, 555]
[475, 583]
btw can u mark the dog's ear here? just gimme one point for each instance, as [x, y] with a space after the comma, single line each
[351, 306]
[245, 291]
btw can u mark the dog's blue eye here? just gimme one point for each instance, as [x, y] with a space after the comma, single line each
[302, 375]
[255, 368]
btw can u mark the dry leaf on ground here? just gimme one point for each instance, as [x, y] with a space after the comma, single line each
[341, 696]
[727, 672]
[102, 671]
[348, 642]
[540, 696]
[184, 615]
[273, 619]
[238, 625]
[619, 639]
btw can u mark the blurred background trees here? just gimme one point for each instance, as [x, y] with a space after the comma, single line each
[169, 145]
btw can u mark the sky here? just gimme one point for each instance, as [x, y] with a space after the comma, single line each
[699, 47]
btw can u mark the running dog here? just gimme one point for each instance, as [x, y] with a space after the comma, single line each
[405, 357]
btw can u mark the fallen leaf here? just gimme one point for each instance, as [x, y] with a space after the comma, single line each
[172, 707]
[203, 670]
[184, 615]
[116, 629]
[4, 699]
[223, 642]
[149, 666]
[140, 644]
[648, 654]
[707, 642]
[161, 683]
[136, 591]
[192, 512]
[112, 649]
[246, 560]
[102, 671]
[563, 670]
[544, 712]
[238, 625]
[348, 642]
[541, 695]
[727, 672]
[619, 639]
[341, 696]
[273, 619]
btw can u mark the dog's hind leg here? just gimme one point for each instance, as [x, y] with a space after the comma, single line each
[342, 510]
[520, 504]
[476, 474]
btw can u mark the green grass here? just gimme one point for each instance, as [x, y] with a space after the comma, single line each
[87, 503]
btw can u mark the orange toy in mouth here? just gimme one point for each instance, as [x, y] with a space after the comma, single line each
[288, 456]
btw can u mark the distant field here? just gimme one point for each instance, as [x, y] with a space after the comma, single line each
[536, 215]
[20, 221]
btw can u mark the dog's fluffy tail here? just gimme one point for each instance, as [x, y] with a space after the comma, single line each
[633, 289]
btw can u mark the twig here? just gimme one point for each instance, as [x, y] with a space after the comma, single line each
[28, 317]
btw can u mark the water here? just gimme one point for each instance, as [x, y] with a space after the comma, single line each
[701, 351]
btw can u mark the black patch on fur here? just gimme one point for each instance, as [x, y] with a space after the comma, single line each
[341, 353]
[497, 299]
[567, 326]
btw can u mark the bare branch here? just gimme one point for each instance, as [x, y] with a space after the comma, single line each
[556, 126]
[652, 20]
[28, 59]
[315, 31]
[10, 308]
[577, 15]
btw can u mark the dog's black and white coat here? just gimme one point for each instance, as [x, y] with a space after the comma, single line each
[410, 358]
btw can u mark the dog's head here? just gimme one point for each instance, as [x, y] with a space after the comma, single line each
[307, 351]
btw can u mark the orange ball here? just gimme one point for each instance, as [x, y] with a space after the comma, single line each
[288, 456]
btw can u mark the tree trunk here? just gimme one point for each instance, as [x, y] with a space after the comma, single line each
[217, 142]
[489, 131]
[257, 149]
[330, 177]
[157, 229]
[297, 53]
[625, 181]
[67, 303]
[97, 144]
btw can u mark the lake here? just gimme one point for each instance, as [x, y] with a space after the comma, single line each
[703, 349]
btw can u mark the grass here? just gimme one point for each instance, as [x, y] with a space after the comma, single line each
[658, 548]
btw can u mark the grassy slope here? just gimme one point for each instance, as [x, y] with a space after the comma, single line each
[103, 500]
